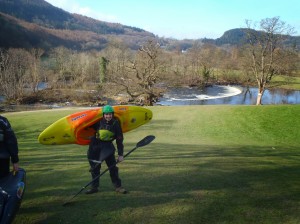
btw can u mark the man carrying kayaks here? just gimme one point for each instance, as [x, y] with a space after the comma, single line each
[8, 148]
[102, 148]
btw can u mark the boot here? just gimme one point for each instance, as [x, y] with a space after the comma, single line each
[121, 190]
[92, 190]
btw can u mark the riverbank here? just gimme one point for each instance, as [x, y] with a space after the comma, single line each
[282, 90]
[230, 95]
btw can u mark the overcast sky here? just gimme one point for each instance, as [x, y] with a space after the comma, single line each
[180, 19]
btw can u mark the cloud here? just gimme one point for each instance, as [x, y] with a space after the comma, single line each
[59, 3]
[74, 7]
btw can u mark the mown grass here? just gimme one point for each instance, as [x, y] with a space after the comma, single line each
[286, 82]
[208, 164]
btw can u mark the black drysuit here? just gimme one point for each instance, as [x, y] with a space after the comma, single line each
[102, 148]
[8, 146]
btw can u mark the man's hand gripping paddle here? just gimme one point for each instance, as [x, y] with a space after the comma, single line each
[145, 141]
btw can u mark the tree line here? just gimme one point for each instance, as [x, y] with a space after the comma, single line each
[141, 76]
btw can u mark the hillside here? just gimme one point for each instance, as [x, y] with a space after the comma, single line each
[237, 37]
[36, 23]
[46, 15]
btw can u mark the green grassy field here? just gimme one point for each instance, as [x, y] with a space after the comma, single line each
[286, 82]
[208, 164]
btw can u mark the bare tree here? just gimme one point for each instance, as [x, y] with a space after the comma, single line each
[147, 70]
[177, 69]
[136, 73]
[201, 64]
[14, 70]
[35, 74]
[61, 60]
[266, 50]
[117, 79]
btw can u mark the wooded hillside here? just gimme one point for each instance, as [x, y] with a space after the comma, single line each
[38, 24]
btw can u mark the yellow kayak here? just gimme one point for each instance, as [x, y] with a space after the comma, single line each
[76, 128]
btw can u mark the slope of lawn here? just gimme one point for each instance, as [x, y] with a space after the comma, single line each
[208, 164]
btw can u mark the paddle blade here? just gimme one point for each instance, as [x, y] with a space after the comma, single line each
[145, 141]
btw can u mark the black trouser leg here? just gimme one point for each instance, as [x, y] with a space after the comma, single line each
[113, 171]
[94, 154]
[4, 167]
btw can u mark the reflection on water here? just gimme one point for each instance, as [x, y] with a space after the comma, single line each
[227, 95]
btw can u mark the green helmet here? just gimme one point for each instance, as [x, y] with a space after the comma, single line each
[107, 109]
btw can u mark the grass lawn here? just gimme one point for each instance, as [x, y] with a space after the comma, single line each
[286, 82]
[208, 164]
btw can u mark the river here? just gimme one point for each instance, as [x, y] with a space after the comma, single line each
[226, 95]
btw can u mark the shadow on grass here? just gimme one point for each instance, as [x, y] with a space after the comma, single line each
[168, 183]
